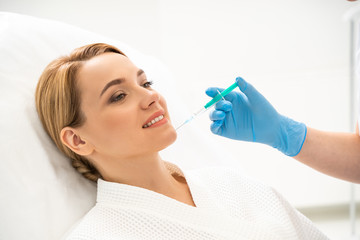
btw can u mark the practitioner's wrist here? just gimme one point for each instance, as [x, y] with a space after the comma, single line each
[291, 136]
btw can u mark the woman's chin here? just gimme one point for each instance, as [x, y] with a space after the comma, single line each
[170, 138]
[173, 137]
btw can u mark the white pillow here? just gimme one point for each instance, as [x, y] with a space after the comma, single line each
[42, 196]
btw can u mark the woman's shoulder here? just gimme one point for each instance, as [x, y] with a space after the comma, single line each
[232, 184]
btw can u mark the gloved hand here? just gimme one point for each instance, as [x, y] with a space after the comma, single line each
[248, 116]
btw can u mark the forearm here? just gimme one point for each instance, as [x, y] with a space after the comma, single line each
[335, 154]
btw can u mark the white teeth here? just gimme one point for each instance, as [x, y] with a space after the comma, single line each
[153, 121]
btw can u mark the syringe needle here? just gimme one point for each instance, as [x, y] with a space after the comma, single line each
[202, 110]
[188, 120]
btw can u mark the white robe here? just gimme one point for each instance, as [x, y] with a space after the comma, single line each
[228, 206]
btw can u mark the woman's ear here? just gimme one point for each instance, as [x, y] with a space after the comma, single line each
[70, 137]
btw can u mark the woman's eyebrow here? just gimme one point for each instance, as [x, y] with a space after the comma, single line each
[111, 83]
[118, 81]
[140, 71]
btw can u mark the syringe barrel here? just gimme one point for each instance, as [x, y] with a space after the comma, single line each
[221, 95]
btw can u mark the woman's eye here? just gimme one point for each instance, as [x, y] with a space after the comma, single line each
[117, 97]
[148, 84]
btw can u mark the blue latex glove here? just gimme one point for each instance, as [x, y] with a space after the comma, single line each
[248, 116]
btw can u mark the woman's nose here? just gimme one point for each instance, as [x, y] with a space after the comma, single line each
[149, 98]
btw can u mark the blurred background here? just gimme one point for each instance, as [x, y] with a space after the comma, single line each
[296, 53]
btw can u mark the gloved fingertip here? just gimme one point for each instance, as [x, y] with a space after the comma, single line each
[216, 115]
[223, 105]
[227, 106]
[215, 126]
[241, 83]
[220, 115]
[211, 112]
[211, 92]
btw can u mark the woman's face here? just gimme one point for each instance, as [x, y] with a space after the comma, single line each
[125, 117]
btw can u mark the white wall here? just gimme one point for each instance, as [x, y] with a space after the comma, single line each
[295, 52]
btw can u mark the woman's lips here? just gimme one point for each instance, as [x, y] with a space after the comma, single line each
[155, 119]
[160, 120]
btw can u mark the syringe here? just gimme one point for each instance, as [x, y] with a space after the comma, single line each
[209, 104]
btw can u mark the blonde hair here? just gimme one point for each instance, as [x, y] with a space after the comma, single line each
[58, 100]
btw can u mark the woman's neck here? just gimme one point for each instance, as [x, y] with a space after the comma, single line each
[149, 172]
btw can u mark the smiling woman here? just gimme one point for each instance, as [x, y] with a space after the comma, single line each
[96, 132]
[102, 112]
